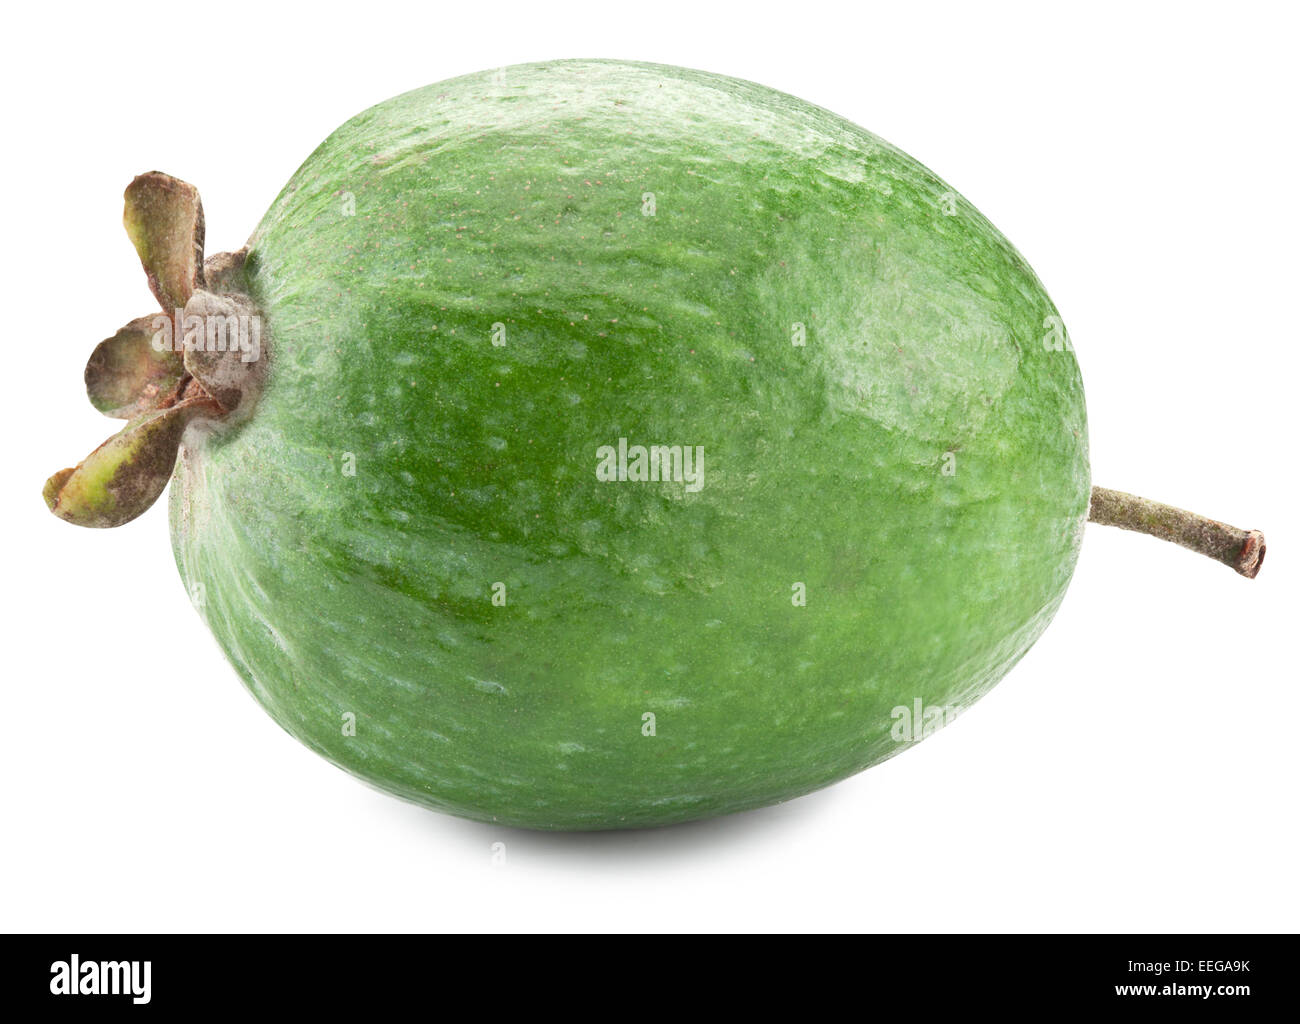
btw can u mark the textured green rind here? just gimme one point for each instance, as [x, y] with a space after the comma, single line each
[517, 198]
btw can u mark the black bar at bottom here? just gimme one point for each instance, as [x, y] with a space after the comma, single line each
[134, 975]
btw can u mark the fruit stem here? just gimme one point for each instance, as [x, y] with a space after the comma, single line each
[1242, 550]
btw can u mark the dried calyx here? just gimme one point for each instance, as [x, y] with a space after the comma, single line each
[201, 358]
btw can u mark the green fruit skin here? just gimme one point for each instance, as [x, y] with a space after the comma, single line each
[919, 465]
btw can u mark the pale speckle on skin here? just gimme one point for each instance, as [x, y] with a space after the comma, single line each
[275, 636]
[487, 685]
[655, 584]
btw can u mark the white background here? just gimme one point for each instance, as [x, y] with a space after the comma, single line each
[1138, 770]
